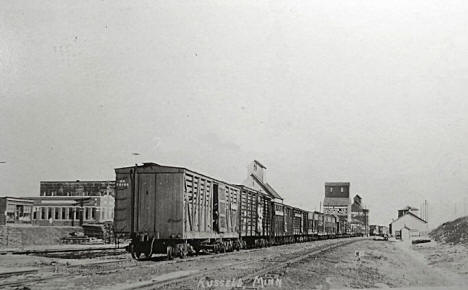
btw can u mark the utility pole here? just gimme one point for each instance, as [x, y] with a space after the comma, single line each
[464, 206]
[427, 211]
[421, 208]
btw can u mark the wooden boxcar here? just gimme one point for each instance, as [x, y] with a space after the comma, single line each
[317, 223]
[310, 224]
[305, 225]
[282, 223]
[278, 221]
[288, 223]
[255, 217]
[174, 210]
[298, 224]
[330, 224]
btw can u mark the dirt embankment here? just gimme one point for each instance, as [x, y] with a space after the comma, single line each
[454, 232]
[369, 264]
[448, 258]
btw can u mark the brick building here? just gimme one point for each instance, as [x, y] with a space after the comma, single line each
[62, 203]
[72, 210]
[77, 188]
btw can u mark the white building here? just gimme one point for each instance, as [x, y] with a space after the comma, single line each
[409, 225]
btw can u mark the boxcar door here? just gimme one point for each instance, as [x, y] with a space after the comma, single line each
[219, 207]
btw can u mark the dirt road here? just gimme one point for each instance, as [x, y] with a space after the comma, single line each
[370, 264]
[362, 264]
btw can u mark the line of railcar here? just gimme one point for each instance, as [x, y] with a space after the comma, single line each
[177, 211]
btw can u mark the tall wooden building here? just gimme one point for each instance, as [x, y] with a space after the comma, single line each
[337, 200]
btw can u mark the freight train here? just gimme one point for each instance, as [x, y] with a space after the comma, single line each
[177, 212]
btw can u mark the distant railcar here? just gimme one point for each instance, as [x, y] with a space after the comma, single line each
[255, 217]
[278, 218]
[289, 223]
[329, 224]
[297, 221]
[310, 224]
[298, 224]
[283, 223]
[305, 217]
[174, 210]
[319, 226]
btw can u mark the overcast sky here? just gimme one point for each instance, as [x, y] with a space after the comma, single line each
[370, 92]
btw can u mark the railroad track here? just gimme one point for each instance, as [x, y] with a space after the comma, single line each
[59, 271]
[274, 265]
[66, 250]
[273, 270]
[113, 266]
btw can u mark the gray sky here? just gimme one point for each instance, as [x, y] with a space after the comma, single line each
[370, 92]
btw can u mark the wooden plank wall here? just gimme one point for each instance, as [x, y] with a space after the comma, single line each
[198, 203]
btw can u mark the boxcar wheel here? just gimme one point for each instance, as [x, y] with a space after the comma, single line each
[149, 251]
[170, 252]
[183, 254]
[135, 251]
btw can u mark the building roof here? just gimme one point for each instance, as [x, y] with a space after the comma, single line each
[412, 214]
[337, 183]
[17, 199]
[336, 201]
[409, 208]
[78, 181]
[266, 187]
[261, 165]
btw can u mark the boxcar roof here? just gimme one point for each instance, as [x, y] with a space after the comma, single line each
[152, 164]
[251, 189]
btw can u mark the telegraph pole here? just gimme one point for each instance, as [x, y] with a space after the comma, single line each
[464, 206]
